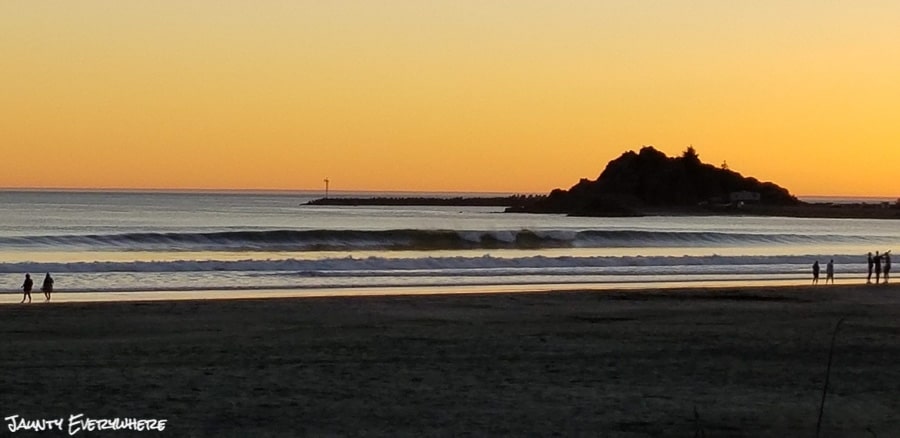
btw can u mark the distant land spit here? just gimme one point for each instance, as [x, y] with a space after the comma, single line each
[650, 183]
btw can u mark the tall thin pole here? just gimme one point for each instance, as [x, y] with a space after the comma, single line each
[326, 188]
[827, 375]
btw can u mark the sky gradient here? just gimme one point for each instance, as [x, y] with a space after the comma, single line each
[499, 96]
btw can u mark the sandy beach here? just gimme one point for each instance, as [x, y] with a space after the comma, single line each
[680, 362]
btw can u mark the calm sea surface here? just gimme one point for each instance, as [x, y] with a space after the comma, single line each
[93, 241]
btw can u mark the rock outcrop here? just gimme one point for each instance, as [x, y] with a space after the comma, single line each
[636, 183]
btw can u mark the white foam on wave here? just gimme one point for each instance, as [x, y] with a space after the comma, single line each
[451, 265]
[405, 239]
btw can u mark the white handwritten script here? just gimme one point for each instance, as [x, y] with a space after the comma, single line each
[77, 423]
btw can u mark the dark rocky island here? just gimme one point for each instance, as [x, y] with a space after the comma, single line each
[637, 183]
[649, 182]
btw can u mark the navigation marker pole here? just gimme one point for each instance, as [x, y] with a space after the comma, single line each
[326, 187]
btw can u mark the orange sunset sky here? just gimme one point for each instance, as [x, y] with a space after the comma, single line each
[456, 95]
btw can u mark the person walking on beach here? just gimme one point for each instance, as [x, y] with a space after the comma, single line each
[26, 288]
[887, 266]
[816, 272]
[47, 287]
[871, 264]
[877, 261]
[829, 271]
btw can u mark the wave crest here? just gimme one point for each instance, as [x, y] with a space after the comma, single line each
[349, 240]
[350, 266]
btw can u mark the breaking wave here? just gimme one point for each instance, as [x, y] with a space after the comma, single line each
[348, 240]
[446, 266]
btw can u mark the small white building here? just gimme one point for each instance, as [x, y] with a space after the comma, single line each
[744, 196]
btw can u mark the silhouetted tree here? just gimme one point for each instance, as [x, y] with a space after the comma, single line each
[690, 153]
[690, 157]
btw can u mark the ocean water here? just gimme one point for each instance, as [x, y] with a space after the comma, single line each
[152, 241]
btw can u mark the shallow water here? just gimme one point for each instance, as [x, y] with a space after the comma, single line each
[114, 242]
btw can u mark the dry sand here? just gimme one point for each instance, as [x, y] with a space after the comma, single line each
[724, 362]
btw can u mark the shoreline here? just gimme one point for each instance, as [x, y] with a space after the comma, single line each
[709, 286]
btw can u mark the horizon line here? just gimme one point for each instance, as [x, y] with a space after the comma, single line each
[307, 190]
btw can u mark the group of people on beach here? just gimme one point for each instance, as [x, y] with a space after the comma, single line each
[829, 272]
[46, 288]
[876, 264]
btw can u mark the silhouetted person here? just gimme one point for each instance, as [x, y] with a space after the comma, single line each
[816, 272]
[877, 261]
[887, 266]
[829, 272]
[871, 265]
[26, 288]
[47, 287]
